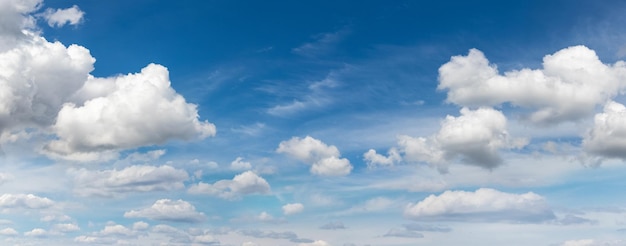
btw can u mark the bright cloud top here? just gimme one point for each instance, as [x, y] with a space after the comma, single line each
[324, 160]
[484, 204]
[245, 183]
[607, 138]
[571, 84]
[168, 210]
[60, 17]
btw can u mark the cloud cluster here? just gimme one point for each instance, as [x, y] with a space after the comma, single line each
[28, 201]
[486, 205]
[476, 138]
[140, 178]
[47, 86]
[168, 210]
[324, 160]
[571, 84]
[245, 183]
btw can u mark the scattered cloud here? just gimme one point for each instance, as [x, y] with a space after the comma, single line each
[293, 208]
[476, 137]
[374, 159]
[571, 84]
[483, 205]
[140, 178]
[335, 225]
[324, 44]
[607, 138]
[168, 210]
[239, 165]
[8, 232]
[403, 233]
[245, 183]
[28, 201]
[324, 159]
[60, 17]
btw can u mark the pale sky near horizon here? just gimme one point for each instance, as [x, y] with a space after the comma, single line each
[312, 122]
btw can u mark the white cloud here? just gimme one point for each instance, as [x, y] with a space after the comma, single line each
[168, 210]
[205, 239]
[324, 43]
[316, 243]
[374, 159]
[240, 165]
[66, 227]
[292, 208]
[335, 225]
[485, 205]
[245, 183]
[29, 201]
[130, 179]
[593, 242]
[571, 84]
[140, 226]
[476, 137]
[37, 232]
[607, 138]
[60, 17]
[403, 233]
[249, 244]
[125, 112]
[8, 232]
[324, 159]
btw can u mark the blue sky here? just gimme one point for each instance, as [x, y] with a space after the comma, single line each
[312, 122]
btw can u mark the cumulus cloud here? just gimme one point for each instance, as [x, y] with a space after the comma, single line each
[141, 178]
[324, 160]
[65, 228]
[28, 201]
[374, 159]
[8, 232]
[37, 232]
[125, 112]
[168, 210]
[61, 17]
[245, 183]
[607, 138]
[292, 208]
[572, 82]
[476, 137]
[239, 165]
[484, 205]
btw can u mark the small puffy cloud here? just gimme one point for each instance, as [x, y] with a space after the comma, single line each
[60, 17]
[205, 239]
[374, 159]
[168, 210]
[291, 236]
[245, 183]
[8, 232]
[324, 160]
[140, 178]
[335, 225]
[140, 226]
[64, 228]
[607, 138]
[125, 112]
[37, 232]
[484, 205]
[571, 84]
[28, 201]
[292, 208]
[239, 165]
[475, 137]
[116, 230]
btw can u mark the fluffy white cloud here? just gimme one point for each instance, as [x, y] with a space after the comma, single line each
[168, 210]
[8, 232]
[37, 232]
[324, 159]
[125, 112]
[140, 226]
[571, 84]
[130, 179]
[64, 228]
[29, 201]
[476, 137]
[239, 164]
[607, 138]
[374, 159]
[245, 183]
[60, 17]
[485, 205]
[293, 208]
